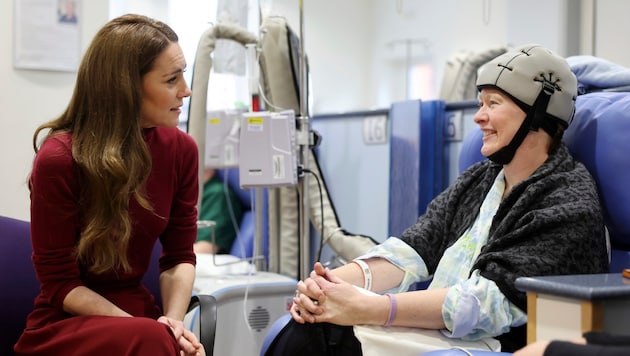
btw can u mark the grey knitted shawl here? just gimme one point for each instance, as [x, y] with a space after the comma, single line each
[549, 224]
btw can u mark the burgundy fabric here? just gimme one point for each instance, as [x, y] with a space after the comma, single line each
[100, 336]
[172, 189]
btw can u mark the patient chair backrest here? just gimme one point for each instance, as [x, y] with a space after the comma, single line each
[599, 138]
[471, 149]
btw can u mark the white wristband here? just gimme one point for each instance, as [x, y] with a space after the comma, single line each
[367, 274]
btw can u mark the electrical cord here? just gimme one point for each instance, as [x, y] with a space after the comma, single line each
[299, 232]
[321, 207]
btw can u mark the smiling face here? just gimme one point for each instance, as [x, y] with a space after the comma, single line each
[164, 88]
[498, 118]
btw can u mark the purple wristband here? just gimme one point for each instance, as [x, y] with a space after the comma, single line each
[393, 307]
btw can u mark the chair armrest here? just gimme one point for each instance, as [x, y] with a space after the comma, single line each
[207, 319]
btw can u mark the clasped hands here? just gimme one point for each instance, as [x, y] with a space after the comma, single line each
[187, 340]
[324, 297]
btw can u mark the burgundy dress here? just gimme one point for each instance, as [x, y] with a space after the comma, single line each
[172, 189]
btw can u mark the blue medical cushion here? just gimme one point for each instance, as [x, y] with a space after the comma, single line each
[471, 149]
[599, 137]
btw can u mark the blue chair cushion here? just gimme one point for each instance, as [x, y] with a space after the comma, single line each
[598, 137]
[273, 331]
[470, 152]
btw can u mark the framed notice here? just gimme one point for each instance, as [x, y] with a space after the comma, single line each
[47, 35]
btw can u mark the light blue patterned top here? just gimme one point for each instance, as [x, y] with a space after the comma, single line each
[474, 307]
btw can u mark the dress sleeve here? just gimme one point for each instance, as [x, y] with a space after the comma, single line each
[181, 232]
[55, 228]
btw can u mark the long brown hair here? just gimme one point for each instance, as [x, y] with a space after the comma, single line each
[104, 120]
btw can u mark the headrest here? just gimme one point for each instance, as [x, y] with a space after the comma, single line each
[598, 137]
[471, 149]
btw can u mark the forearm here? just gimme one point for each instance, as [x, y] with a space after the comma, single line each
[396, 266]
[176, 289]
[84, 301]
[383, 273]
[421, 309]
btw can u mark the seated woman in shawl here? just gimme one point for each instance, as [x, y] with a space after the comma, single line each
[530, 209]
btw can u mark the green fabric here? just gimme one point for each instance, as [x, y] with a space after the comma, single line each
[215, 206]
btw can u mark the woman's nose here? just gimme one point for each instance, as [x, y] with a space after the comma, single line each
[186, 91]
[480, 116]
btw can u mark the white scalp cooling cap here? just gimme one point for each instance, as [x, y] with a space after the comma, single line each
[524, 71]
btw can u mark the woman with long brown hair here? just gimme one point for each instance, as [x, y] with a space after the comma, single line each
[111, 176]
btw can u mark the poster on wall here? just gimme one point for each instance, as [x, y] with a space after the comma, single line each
[47, 35]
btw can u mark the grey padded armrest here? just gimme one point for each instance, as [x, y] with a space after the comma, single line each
[207, 319]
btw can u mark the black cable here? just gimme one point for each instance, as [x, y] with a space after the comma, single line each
[321, 207]
[299, 208]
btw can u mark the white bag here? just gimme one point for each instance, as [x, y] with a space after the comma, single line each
[403, 341]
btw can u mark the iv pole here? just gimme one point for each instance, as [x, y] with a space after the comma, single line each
[303, 139]
[258, 198]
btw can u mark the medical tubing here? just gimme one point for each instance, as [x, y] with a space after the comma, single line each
[232, 215]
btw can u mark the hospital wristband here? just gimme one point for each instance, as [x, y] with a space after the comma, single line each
[393, 308]
[367, 274]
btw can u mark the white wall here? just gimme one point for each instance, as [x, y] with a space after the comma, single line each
[357, 48]
[337, 38]
[611, 31]
[353, 67]
[28, 98]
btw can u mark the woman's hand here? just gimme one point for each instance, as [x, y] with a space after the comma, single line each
[307, 296]
[323, 297]
[187, 340]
